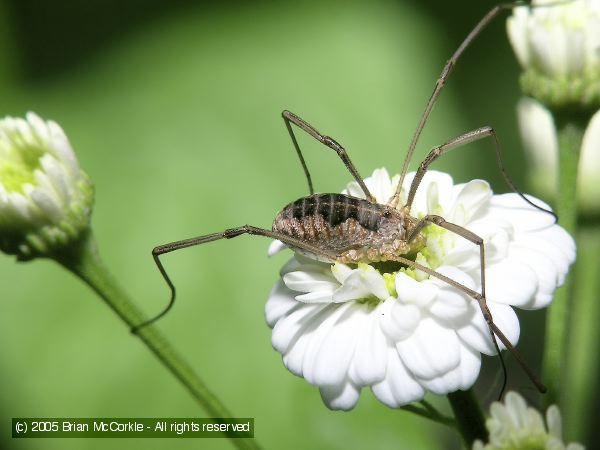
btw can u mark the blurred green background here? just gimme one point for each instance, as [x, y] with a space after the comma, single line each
[173, 108]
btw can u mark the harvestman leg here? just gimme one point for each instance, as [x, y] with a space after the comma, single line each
[440, 83]
[227, 234]
[479, 297]
[460, 141]
[289, 118]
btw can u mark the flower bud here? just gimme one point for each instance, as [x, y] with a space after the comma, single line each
[45, 198]
[539, 135]
[514, 426]
[558, 47]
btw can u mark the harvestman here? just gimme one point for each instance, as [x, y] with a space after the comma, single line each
[345, 229]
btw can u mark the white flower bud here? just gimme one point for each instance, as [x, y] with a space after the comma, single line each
[540, 139]
[558, 46]
[514, 426]
[45, 198]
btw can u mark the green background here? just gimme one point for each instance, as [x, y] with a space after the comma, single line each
[174, 111]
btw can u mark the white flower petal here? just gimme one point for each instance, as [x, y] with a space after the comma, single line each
[545, 271]
[276, 247]
[443, 188]
[340, 397]
[59, 179]
[352, 289]
[448, 382]
[511, 282]
[452, 308]
[411, 291]
[370, 356]
[471, 197]
[38, 125]
[399, 320]
[575, 52]
[398, 388]
[62, 147]
[20, 206]
[477, 334]
[312, 368]
[465, 255]
[375, 282]
[280, 303]
[431, 351]
[325, 296]
[589, 162]
[561, 251]
[353, 189]
[301, 263]
[380, 185]
[341, 272]
[559, 238]
[300, 320]
[469, 367]
[522, 215]
[336, 349]
[538, 133]
[294, 357]
[517, 34]
[361, 283]
[516, 408]
[47, 204]
[302, 281]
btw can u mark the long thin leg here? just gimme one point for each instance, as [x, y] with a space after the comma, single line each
[441, 81]
[479, 297]
[460, 141]
[227, 234]
[289, 118]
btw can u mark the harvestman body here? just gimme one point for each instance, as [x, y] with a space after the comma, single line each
[346, 229]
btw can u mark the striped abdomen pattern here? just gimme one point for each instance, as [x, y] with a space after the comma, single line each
[331, 221]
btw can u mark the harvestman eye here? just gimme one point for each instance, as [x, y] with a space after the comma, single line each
[306, 224]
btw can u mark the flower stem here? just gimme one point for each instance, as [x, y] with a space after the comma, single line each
[429, 412]
[583, 363]
[83, 260]
[570, 136]
[469, 417]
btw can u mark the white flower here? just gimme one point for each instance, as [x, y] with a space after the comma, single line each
[539, 136]
[45, 198]
[515, 426]
[561, 39]
[403, 333]
[558, 45]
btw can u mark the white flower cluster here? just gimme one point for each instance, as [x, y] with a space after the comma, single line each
[401, 332]
[558, 45]
[515, 426]
[45, 198]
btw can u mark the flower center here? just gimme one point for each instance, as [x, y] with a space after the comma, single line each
[430, 256]
[17, 166]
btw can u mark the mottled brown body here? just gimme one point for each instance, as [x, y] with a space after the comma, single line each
[353, 228]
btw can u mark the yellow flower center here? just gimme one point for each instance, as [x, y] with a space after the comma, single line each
[17, 166]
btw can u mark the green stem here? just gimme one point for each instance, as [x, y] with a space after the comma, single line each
[429, 412]
[570, 135]
[84, 261]
[583, 362]
[469, 417]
